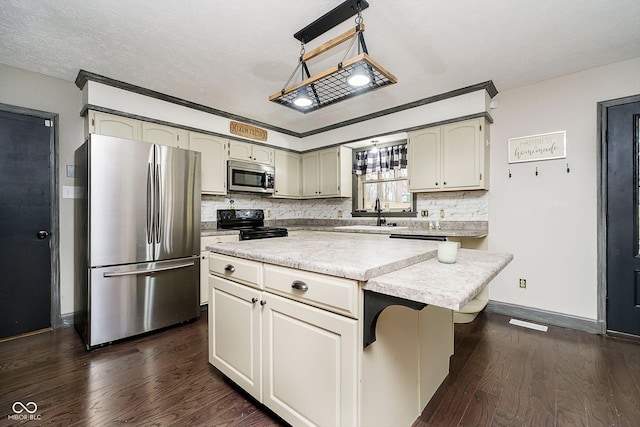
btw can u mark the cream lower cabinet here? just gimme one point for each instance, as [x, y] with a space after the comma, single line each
[294, 341]
[300, 361]
[204, 262]
[309, 364]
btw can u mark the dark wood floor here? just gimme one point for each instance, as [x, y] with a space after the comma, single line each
[505, 375]
[501, 375]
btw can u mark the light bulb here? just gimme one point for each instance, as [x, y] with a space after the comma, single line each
[359, 77]
[302, 99]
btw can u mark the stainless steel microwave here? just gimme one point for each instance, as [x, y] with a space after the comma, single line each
[250, 177]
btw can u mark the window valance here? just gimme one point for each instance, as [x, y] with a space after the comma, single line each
[381, 159]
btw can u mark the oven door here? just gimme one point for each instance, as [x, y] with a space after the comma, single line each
[250, 177]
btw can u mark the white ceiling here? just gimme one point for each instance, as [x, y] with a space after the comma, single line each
[231, 55]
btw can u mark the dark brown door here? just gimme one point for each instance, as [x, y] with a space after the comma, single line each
[623, 216]
[25, 223]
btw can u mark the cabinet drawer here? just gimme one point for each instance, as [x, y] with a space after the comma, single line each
[210, 240]
[237, 269]
[327, 292]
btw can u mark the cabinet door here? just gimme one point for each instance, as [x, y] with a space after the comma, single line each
[164, 135]
[240, 151]
[264, 155]
[461, 155]
[329, 172]
[310, 174]
[424, 159]
[235, 332]
[310, 364]
[111, 125]
[214, 161]
[287, 165]
[204, 277]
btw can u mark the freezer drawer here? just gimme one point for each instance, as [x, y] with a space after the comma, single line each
[124, 301]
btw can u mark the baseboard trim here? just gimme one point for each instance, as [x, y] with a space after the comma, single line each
[66, 320]
[543, 316]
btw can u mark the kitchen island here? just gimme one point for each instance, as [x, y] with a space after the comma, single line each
[330, 330]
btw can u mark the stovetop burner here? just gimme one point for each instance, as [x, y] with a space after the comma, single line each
[250, 223]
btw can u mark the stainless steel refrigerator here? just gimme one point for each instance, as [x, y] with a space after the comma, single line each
[137, 238]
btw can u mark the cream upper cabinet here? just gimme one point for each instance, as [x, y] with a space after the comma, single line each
[449, 157]
[213, 161]
[112, 125]
[165, 135]
[310, 174]
[247, 152]
[424, 148]
[327, 173]
[288, 174]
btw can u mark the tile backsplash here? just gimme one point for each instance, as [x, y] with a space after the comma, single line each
[457, 206]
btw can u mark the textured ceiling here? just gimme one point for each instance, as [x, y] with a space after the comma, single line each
[231, 55]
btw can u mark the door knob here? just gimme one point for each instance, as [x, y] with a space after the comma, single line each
[42, 234]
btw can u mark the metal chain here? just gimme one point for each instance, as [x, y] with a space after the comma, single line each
[359, 16]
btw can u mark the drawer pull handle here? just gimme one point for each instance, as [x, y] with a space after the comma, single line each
[230, 268]
[254, 300]
[299, 285]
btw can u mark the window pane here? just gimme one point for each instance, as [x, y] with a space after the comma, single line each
[394, 195]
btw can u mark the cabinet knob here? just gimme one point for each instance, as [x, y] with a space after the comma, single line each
[254, 300]
[444, 183]
[263, 302]
[230, 268]
[436, 183]
[299, 285]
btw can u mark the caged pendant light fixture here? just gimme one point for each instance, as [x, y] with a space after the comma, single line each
[350, 77]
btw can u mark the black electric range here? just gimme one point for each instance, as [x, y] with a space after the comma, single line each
[250, 223]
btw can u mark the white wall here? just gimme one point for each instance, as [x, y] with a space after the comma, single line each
[39, 92]
[145, 106]
[549, 221]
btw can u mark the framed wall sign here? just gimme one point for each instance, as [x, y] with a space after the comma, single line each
[545, 146]
[248, 131]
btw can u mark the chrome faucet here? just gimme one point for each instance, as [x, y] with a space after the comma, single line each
[378, 211]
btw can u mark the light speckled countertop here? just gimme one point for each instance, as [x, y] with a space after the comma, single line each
[443, 285]
[334, 254]
[404, 268]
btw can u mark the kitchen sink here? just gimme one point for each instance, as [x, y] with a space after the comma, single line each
[369, 227]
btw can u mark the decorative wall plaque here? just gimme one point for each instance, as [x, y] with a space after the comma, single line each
[248, 131]
[545, 146]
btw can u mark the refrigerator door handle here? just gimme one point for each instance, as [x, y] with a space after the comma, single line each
[158, 202]
[149, 271]
[149, 204]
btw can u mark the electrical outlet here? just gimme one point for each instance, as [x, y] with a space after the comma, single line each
[523, 283]
[441, 213]
[268, 214]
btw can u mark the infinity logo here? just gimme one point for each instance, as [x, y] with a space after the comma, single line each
[19, 407]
